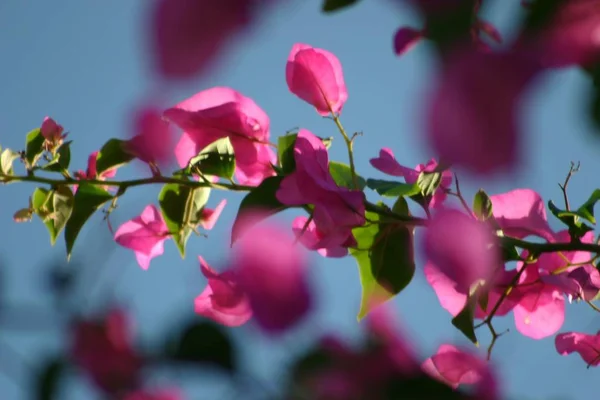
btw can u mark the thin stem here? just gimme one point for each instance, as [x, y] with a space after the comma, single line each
[573, 169]
[460, 196]
[349, 144]
[495, 337]
[595, 307]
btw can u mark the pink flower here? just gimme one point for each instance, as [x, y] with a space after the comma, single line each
[405, 39]
[337, 210]
[386, 163]
[272, 272]
[571, 36]
[454, 367]
[160, 394]
[454, 300]
[51, 131]
[520, 213]
[588, 346]
[472, 114]
[153, 136]
[314, 239]
[103, 350]
[222, 300]
[316, 76]
[145, 235]
[92, 173]
[187, 35]
[222, 112]
[209, 216]
[462, 248]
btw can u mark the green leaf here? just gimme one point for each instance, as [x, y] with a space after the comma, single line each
[285, 151]
[203, 343]
[393, 188]
[262, 199]
[48, 379]
[571, 220]
[181, 208]
[113, 154]
[464, 320]
[61, 159]
[336, 5]
[342, 176]
[7, 158]
[87, 201]
[482, 205]
[216, 159]
[586, 211]
[54, 208]
[385, 257]
[34, 146]
[429, 182]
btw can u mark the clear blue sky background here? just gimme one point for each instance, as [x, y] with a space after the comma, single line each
[83, 63]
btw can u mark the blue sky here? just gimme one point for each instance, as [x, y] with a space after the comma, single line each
[85, 65]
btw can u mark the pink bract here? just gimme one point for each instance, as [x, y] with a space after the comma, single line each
[337, 210]
[152, 141]
[145, 235]
[405, 39]
[313, 239]
[50, 130]
[222, 300]
[272, 272]
[155, 394]
[316, 76]
[223, 112]
[454, 367]
[588, 346]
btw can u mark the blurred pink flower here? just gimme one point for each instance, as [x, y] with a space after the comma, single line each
[316, 76]
[454, 367]
[209, 216]
[472, 115]
[187, 35]
[154, 394]
[145, 235]
[153, 137]
[272, 272]
[406, 38]
[462, 248]
[222, 300]
[337, 210]
[386, 163]
[103, 350]
[588, 346]
[222, 112]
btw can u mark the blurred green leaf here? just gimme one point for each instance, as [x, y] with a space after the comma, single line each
[393, 188]
[464, 320]
[262, 199]
[428, 182]
[586, 211]
[48, 379]
[181, 208]
[87, 201]
[571, 219]
[112, 155]
[7, 158]
[385, 257]
[54, 208]
[482, 205]
[337, 5]
[285, 151]
[34, 146]
[61, 159]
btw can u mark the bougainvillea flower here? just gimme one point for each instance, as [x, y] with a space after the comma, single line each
[313, 239]
[51, 131]
[222, 112]
[454, 300]
[222, 300]
[337, 210]
[472, 116]
[209, 216]
[152, 137]
[386, 163]
[103, 350]
[91, 172]
[187, 35]
[405, 39]
[588, 346]
[462, 248]
[154, 394]
[316, 76]
[520, 213]
[272, 271]
[570, 36]
[145, 235]
[454, 367]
